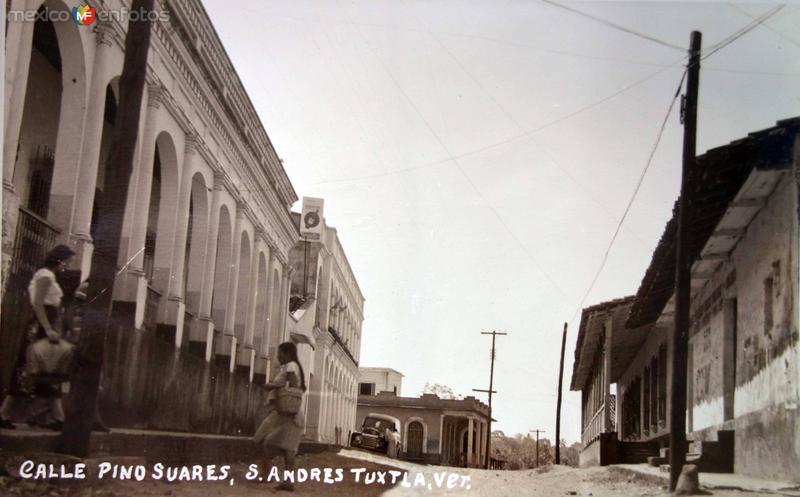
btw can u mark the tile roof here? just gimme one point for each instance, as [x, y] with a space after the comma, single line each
[719, 175]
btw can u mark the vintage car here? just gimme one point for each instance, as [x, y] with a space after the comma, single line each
[374, 432]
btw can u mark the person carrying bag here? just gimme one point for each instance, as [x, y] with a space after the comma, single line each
[280, 431]
[46, 361]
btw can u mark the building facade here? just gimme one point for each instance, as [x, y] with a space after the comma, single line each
[207, 228]
[327, 309]
[373, 381]
[743, 366]
[447, 432]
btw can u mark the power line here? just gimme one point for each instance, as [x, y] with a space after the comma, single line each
[509, 116]
[633, 197]
[714, 49]
[614, 25]
[782, 35]
[743, 31]
[513, 138]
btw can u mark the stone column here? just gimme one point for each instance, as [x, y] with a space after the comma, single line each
[205, 325]
[19, 41]
[441, 436]
[252, 300]
[316, 392]
[229, 338]
[83, 205]
[132, 286]
[176, 305]
[470, 431]
[268, 343]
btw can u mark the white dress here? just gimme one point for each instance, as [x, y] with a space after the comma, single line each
[282, 431]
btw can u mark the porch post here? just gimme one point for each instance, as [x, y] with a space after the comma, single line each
[470, 429]
[608, 421]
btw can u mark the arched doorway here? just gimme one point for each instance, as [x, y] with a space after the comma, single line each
[415, 439]
[49, 123]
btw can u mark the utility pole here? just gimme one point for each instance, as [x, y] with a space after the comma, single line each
[74, 438]
[494, 334]
[680, 333]
[558, 401]
[537, 444]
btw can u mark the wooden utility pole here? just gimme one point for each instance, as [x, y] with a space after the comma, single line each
[558, 398]
[494, 334]
[97, 319]
[680, 333]
[537, 444]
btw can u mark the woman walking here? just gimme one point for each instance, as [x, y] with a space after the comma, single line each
[45, 357]
[280, 431]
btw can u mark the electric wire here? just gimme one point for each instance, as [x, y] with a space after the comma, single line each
[631, 200]
[714, 49]
[513, 138]
[469, 180]
[614, 25]
[741, 32]
[782, 35]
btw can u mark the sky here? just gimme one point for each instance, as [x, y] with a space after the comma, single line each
[476, 158]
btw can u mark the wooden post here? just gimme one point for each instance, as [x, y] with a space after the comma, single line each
[537, 431]
[558, 398]
[680, 333]
[494, 334]
[97, 320]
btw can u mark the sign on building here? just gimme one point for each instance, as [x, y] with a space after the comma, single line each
[311, 218]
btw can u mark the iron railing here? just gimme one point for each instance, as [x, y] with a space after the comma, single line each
[34, 237]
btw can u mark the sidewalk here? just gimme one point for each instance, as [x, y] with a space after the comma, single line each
[154, 446]
[722, 481]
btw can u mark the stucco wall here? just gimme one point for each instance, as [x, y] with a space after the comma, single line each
[429, 417]
[762, 276]
[707, 352]
[767, 391]
[765, 253]
[385, 380]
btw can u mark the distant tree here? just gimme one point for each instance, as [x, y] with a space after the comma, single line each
[519, 451]
[570, 454]
[442, 391]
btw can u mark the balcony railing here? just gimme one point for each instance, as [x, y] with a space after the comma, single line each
[593, 428]
[341, 342]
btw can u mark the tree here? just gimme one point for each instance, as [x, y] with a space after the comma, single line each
[519, 451]
[97, 320]
[442, 391]
[570, 455]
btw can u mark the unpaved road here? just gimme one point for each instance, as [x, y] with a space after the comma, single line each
[410, 480]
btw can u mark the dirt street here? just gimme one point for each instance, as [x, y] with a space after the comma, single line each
[350, 473]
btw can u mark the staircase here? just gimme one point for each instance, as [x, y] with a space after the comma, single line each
[637, 452]
[709, 456]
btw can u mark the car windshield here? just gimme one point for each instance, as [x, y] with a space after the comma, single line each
[379, 424]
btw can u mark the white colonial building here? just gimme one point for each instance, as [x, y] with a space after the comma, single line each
[207, 230]
[327, 309]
